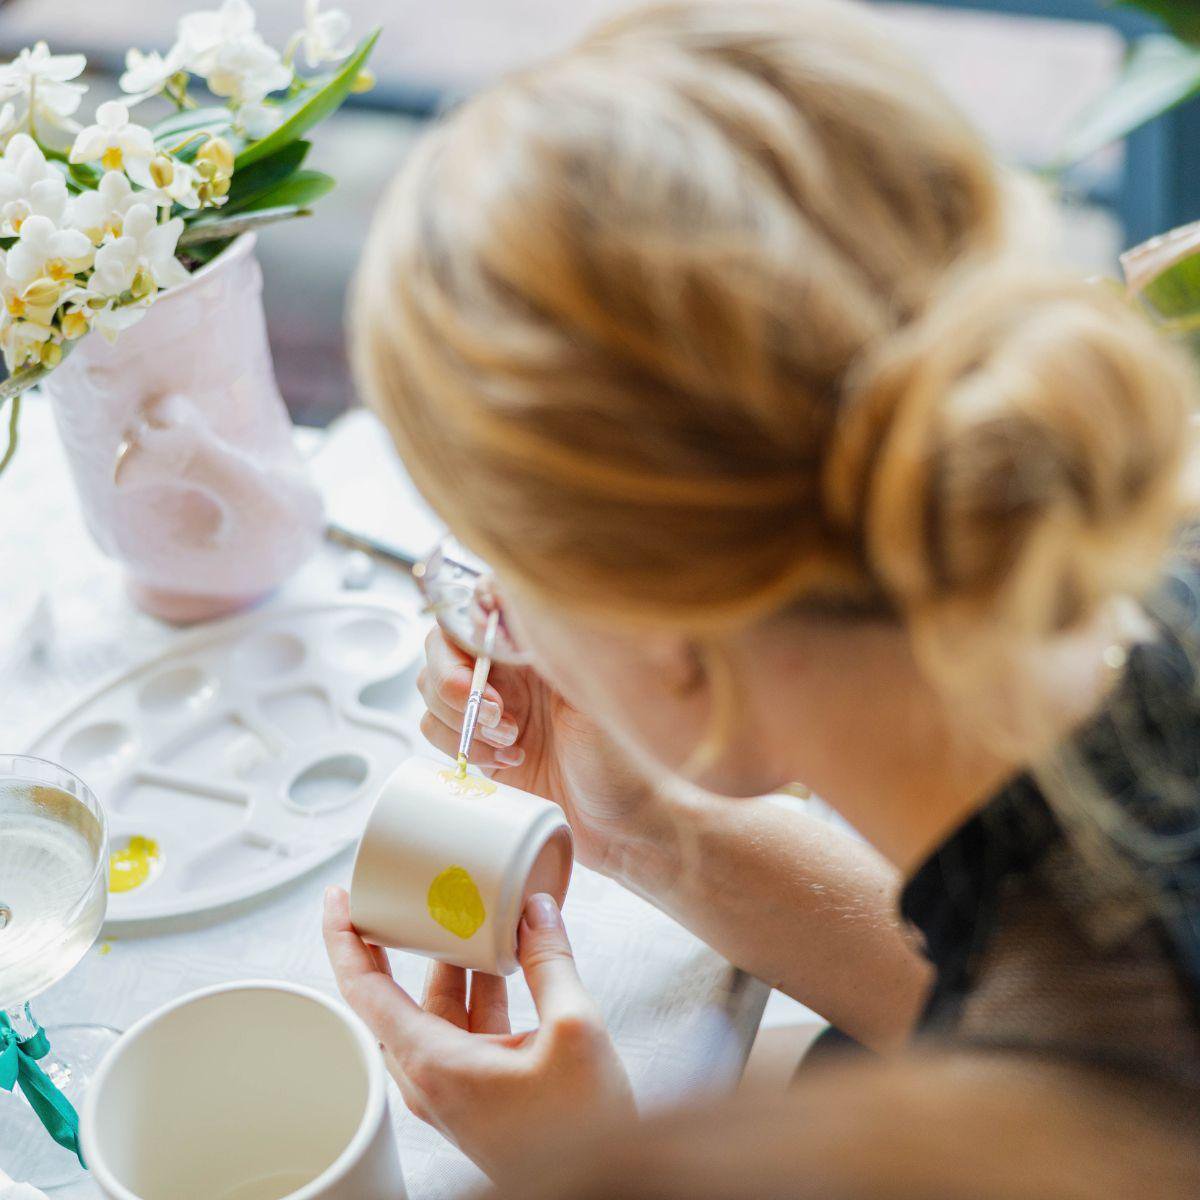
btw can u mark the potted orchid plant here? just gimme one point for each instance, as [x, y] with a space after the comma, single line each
[130, 293]
[96, 221]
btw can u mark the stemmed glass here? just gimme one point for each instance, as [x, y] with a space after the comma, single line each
[53, 893]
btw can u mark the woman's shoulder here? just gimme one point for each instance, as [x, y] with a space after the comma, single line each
[951, 1124]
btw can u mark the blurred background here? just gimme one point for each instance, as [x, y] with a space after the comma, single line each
[1022, 69]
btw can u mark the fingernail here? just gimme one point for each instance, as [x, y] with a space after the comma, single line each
[504, 735]
[510, 756]
[541, 912]
[490, 713]
[330, 892]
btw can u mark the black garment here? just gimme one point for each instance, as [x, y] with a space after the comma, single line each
[1065, 919]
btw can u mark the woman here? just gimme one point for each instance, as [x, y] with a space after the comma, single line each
[715, 337]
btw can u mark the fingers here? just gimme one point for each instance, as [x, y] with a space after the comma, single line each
[489, 1004]
[370, 991]
[493, 728]
[382, 962]
[445, 738]
[549, 964]
[446, 993]
[448, 676]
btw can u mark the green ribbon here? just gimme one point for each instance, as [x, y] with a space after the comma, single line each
[19, 1067]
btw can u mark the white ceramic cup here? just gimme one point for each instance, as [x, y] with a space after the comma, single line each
[247, 1091]
[445, 865]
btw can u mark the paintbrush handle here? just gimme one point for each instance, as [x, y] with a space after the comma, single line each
[479, 678]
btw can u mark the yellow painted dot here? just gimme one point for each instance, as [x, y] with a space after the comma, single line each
[131, 867]
[455, 903]
[104, 948]
[467, 785]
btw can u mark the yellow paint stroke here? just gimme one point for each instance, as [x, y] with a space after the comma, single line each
[467, 785]
[455, 903]
[131, 867]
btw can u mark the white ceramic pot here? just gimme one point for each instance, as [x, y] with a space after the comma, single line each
[445, 865]
[182, 450]
[247, 1091]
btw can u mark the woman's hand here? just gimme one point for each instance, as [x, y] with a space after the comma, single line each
[543, 745]
[495, 1094]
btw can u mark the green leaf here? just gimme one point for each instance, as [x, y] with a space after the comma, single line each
[85, 175]
[312, 106]
[1181, 17]
[1159, 73]
[260, 177]
[176, 127]
[215, 229]
[299, 190]
[1174, 295]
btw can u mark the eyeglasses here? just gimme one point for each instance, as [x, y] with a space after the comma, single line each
[459, 590]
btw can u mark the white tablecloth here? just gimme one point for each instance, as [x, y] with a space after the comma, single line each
[682, 1017]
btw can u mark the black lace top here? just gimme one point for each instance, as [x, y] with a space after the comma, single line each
[1064, 918]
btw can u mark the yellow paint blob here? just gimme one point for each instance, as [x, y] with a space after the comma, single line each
[455, 903]
[104, 948]
[131, 867]
[467, 785]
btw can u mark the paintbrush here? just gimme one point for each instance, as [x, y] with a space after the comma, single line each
[479, 678]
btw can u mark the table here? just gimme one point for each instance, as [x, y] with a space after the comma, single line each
[683, 1018]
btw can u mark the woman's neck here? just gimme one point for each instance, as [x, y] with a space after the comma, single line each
[876, 743]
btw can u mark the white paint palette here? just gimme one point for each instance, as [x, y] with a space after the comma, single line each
[250, 752]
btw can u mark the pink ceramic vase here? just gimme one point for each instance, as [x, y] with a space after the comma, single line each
[182, 450]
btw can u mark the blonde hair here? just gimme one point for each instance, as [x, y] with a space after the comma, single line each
[716, 317]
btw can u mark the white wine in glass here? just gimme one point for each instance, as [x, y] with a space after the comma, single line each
[53, 892]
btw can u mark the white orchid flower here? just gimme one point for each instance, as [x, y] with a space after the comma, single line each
[116, 266]
[29, 186]
[127, 271]
[8, 122]
[11, 305]
[114, 319]
[21, 342]
[47, 198]
[156, 244]
[24, 329]
[256, 119]
[179, 183]
[224, 48]
[147, 75]
[100, 213]
[114, 141]
[325, 36]
[40, 83]
[144, 245]
[45, 251]
[246, 70]
[200, 33]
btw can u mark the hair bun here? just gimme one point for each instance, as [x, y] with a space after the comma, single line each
[1013, 457]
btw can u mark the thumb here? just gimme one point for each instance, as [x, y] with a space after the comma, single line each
[548, 962]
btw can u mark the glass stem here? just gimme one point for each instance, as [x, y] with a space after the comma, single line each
[24, 1025]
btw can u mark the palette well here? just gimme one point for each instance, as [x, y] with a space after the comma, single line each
[245, 756]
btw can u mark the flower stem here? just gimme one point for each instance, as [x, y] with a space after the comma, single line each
[14, 419]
